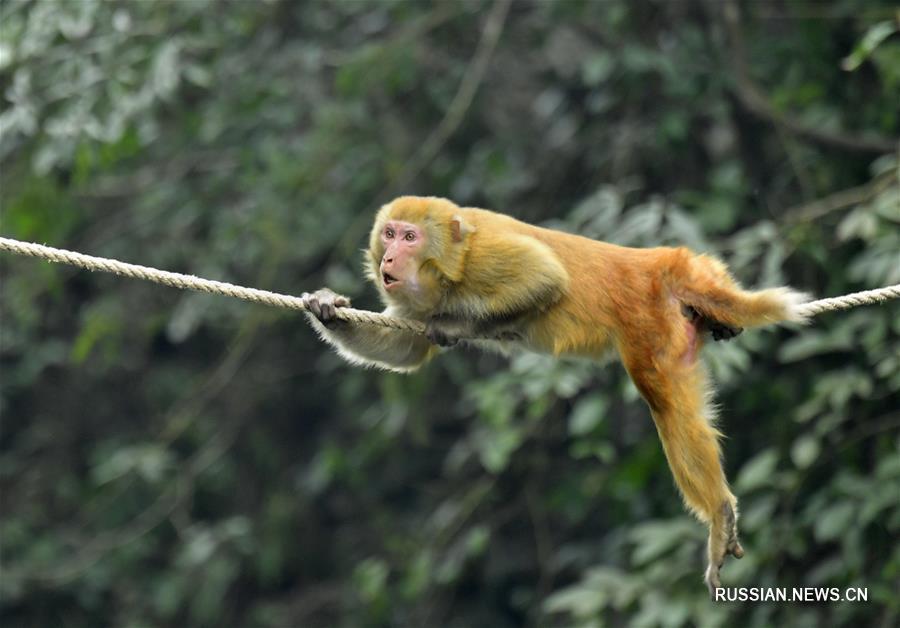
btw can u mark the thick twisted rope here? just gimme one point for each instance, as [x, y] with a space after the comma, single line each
[847, 301]
[190, 282]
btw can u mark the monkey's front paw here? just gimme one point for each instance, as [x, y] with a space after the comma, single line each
[323, 304]
[438, 336]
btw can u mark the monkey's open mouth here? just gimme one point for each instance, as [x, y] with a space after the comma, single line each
[388, 279]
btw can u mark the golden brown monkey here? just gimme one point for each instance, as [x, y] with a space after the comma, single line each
[473, 273]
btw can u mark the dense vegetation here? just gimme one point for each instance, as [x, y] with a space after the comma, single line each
[175, 459]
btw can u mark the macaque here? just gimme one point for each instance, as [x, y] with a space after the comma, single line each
[472, 273]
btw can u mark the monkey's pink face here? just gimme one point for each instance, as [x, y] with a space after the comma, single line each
[404, 243]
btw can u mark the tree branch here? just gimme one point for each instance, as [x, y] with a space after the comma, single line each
[752, 97]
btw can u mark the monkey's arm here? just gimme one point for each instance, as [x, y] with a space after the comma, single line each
[507, 279]
[505, 275]
[365, 345]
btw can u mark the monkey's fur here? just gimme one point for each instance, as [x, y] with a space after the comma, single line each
[471, 272]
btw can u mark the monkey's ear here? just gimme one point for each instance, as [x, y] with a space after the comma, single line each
[459, 229]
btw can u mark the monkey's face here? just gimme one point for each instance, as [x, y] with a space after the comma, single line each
[404, 245]
[417, 247]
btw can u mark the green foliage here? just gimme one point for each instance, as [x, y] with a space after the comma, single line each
[177, 459]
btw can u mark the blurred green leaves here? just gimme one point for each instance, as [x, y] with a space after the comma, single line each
[873, 38]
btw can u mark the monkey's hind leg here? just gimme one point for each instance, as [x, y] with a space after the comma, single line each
[683, 418]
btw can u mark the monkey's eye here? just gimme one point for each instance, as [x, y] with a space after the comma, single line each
[389, 233]
[410, 236]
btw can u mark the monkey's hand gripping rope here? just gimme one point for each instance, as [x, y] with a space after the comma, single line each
[190, 282]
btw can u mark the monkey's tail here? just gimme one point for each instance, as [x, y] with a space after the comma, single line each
[715, 295]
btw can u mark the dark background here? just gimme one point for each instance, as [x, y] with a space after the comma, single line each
[176, 459]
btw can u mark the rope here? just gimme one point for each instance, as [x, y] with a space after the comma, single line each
[190, 282]
[847, 301]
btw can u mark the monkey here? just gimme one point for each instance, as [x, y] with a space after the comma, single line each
[473, 273]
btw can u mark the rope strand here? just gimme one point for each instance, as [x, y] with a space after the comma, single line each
[190, 282]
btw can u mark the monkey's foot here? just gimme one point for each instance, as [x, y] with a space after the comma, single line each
[721, 331]
[723, 540]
